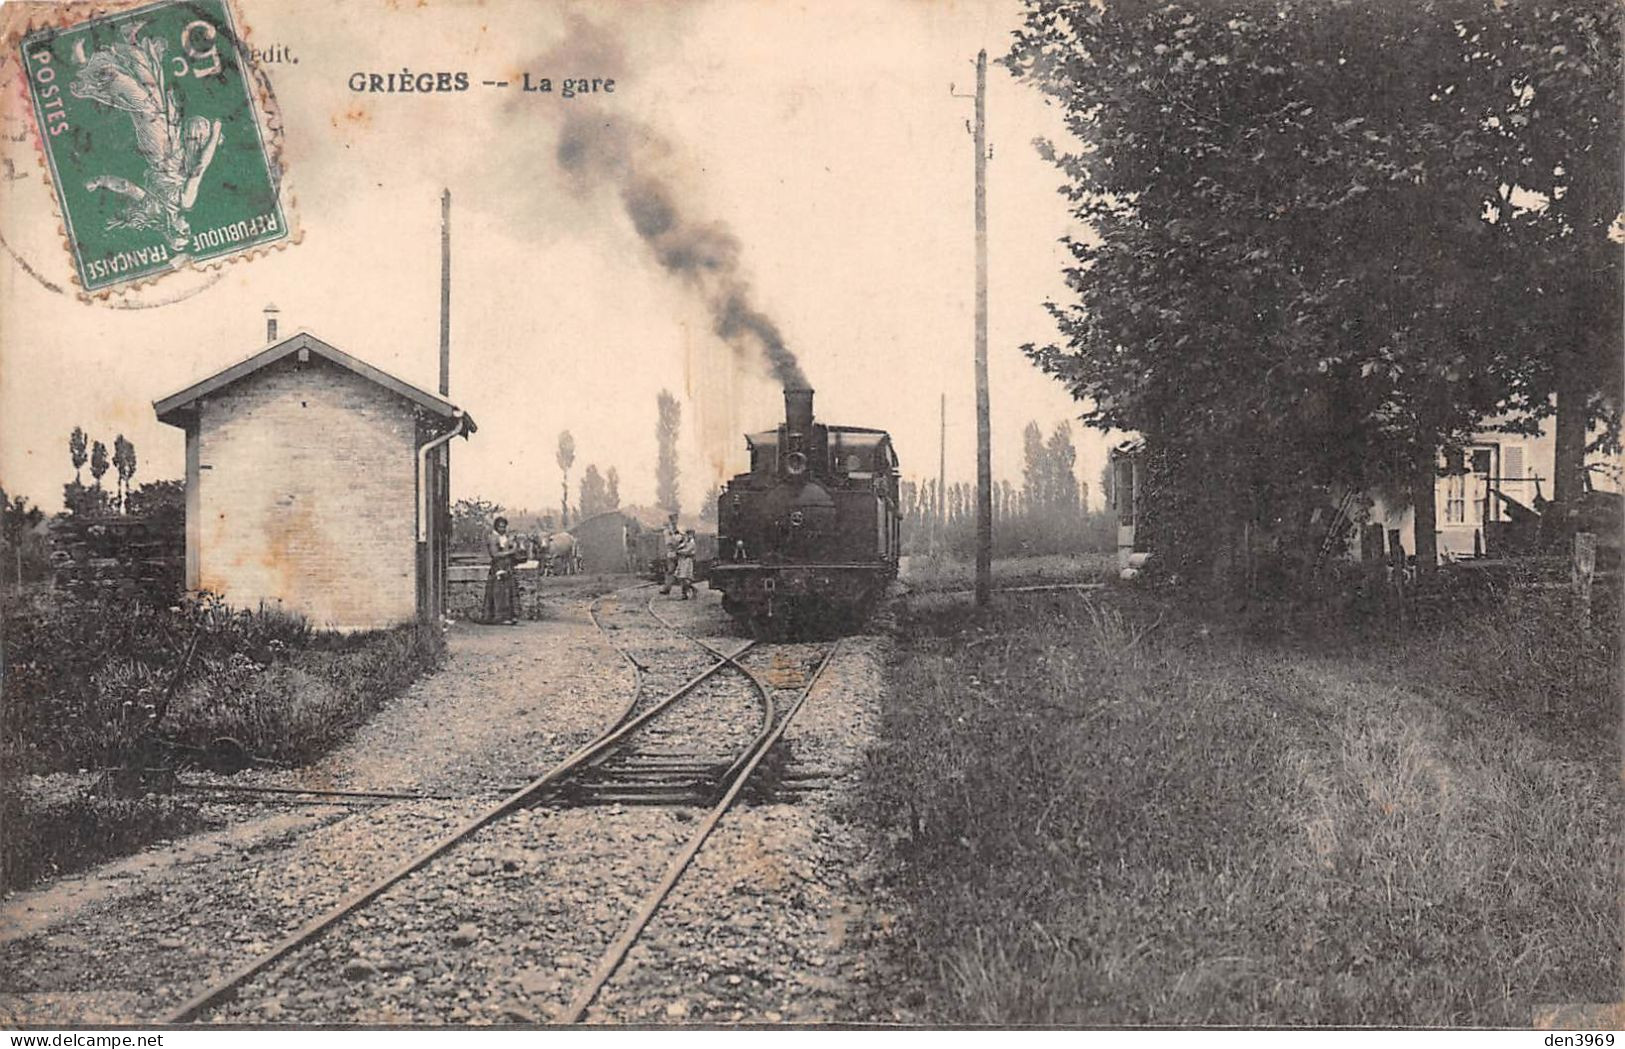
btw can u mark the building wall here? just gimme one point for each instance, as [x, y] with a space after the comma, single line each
[305, 495]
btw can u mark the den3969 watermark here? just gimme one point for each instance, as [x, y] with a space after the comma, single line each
[148, 123]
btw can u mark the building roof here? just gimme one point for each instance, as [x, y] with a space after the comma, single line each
[174, 408]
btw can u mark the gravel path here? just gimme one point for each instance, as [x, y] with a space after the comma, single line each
[506, 927]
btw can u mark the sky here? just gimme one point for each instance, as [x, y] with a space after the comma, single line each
[823, 138]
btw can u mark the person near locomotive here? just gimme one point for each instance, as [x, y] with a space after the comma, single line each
[501, 582]
[687, 546]
[669, 540]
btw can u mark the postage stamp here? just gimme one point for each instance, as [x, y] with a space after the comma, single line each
[148, 122]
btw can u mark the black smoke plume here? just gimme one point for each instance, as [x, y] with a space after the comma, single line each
[595, 149]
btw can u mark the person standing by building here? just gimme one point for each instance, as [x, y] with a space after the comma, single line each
[669, 540]
[501, 582]
[686, 548]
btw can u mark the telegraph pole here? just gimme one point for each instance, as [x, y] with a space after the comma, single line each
[984, 453]
[445, 292]
[984, 440]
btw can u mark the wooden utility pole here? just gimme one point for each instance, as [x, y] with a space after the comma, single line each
[984, 454]
[445, 292]
[439, 555]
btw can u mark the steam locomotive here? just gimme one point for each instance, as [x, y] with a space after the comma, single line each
[808, 539]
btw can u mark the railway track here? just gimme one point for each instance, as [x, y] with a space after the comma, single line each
[667, 747]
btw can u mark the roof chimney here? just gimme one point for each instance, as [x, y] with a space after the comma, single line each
[270, 323]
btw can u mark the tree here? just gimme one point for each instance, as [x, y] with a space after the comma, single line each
[98, 464]
[21, 541]
[76, 450]
[158, 498]
[1034, 472]
[163, 504]
[470, 519]
[565, 456]
[593, 497]
[709, 509]
[670, 420]
[124, 462]
[1060, 464]
[1417, 262]
[612, 489]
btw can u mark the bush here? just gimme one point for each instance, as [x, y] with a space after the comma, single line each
[298, 707]
[88, 679]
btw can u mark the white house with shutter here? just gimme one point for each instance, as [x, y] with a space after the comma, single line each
[1497, 478]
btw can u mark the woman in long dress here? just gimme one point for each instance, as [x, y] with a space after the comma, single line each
[687, 546]
[501, 585]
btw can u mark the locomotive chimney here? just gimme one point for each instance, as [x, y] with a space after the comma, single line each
[798, 413]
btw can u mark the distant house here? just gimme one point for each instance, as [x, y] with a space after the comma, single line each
[1498, 482]
[1488, 500]
[317, 484]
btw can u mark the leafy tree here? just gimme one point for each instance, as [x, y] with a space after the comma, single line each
[593, 495]
[98, 463]
[670, 420]
[160, 498]
[565, 456]
[76, 450]
[124, 463]
[470, 519]
[84, 499]
[1428, 250]
[26, 548]
[612, 489]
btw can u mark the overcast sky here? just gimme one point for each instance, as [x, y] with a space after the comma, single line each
[824, 136]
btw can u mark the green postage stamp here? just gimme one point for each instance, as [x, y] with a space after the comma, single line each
[148, 122]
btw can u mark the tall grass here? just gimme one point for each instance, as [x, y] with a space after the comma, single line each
[123, 684]
[1114, 813]
[932, 574]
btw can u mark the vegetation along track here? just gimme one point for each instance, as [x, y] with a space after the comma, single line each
[685, 738]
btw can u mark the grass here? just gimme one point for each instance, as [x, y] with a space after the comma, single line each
[1102, 809]
[85, 689]
[926, 575]
[46, 835]
[293, 709]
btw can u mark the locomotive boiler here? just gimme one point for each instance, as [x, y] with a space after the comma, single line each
[808, 539]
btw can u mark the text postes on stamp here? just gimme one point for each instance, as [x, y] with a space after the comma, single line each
[148, 123]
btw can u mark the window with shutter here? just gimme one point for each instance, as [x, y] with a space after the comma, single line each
[1512, 457]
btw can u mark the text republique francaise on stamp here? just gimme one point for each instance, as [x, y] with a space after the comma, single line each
[148, 123]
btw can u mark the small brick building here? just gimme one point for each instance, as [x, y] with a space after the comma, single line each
[317, 484]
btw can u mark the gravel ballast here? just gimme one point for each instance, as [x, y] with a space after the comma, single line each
[766, 925]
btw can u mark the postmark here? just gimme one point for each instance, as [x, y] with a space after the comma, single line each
[148, 123]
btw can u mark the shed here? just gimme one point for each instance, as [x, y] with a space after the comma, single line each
[317, 484]
[601, 542]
